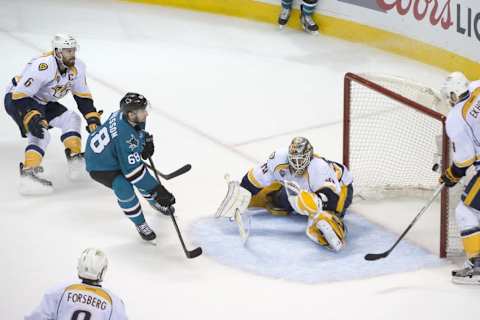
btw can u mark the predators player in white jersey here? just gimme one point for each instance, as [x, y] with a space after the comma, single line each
[31, 100]
[463, 129]
[86, 300]
[295, 180]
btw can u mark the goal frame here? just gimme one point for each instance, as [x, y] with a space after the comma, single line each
[355, 78]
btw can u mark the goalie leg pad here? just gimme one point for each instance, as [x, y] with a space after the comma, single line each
[237, 198]
[327, 230]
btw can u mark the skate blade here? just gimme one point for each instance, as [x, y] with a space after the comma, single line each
[466, 280]
[151, 242]
[281, 27]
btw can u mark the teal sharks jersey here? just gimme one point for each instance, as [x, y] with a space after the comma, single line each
[117, 145]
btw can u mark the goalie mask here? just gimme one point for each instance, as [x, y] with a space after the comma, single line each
[455, 88]
[300, 153]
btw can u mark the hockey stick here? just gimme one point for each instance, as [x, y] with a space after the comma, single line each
[173, 174]
[376, 256]
[189, 253]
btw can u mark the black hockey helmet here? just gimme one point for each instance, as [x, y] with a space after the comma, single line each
[133, 101]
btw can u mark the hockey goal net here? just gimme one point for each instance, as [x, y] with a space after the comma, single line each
[393, 135]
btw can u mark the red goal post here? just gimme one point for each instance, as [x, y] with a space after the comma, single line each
[391, 134]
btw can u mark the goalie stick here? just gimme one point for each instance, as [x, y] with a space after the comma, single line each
[376, 256]
[173, 174]
[189, 253]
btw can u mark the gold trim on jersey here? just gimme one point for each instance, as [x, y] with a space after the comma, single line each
[342, 198]
[74, 71]
[83, 94]
[253, 180]
[470, 101]
[46, 54]
[328, 185]
[472, 193]
[96, 290]
[17, 95]
[281, 166]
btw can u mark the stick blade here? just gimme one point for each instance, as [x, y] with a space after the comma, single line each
[375, 256]
[194, 253]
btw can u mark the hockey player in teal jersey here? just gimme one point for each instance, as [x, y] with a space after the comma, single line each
[113, 158]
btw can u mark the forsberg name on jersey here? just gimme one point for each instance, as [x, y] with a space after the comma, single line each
[87, 300]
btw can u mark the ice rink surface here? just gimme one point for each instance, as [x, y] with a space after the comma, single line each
[225, 93]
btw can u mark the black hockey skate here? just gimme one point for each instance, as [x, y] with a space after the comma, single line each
[32, 183]
[284, 16]
[33, 174]
[470, 274]
[146, 232]
[76, 165]
[308, 24]
[73, 157]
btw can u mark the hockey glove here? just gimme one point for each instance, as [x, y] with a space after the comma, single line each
[93, 120]
[148, 147]
[449, 178]
[163, 200]
[34, 122]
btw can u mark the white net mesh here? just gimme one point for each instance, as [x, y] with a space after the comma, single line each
[393, 147]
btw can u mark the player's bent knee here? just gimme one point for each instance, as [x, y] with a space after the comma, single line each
[68, 121]
[122, 188]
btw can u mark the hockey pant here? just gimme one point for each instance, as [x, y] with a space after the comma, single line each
[58, 116]
[125, 193]
[467, 216]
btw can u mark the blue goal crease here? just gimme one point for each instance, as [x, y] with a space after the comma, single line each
[278, 248]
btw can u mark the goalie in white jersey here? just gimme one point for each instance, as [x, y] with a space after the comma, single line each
[463, 129]
[85, 300]
[31, 100]
[297, 180]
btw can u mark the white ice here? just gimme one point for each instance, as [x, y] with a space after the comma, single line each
[226, 92]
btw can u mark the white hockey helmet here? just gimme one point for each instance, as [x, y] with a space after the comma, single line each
[300, 153]
[64, 41]
[92, 264]
[455, 88]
